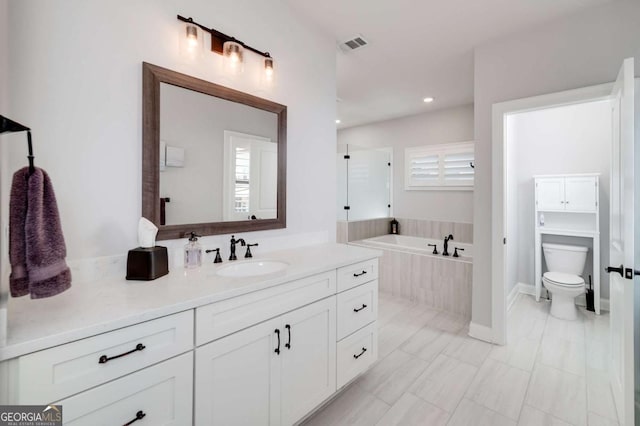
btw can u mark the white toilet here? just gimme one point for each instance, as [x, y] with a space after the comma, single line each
[563, 281]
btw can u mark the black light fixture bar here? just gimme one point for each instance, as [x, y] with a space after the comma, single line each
[219, 38]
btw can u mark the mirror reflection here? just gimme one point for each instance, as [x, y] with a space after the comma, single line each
[218, 159]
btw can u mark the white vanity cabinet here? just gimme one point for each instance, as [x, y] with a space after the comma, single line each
[270, 374]
[570, 193]
[268, 355]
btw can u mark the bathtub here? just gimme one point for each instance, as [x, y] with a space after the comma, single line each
[409, 269]
[418, 245]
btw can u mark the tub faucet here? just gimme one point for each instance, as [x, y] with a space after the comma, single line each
[445, 251]
[233, 256]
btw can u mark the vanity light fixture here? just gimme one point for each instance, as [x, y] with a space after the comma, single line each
[428, 100]
[230, 47]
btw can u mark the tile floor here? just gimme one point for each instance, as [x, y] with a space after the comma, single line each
[430, 372]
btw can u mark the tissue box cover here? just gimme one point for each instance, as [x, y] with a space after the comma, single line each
[147, 264]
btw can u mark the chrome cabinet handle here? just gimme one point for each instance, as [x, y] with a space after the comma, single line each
[103, 359]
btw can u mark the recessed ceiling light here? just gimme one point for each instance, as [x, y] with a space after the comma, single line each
[428, 99]
[337, 121]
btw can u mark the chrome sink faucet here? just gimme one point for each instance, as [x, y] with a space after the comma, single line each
[445, 251]
[233, 256]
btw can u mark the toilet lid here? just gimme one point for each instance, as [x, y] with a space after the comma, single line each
[561, 278]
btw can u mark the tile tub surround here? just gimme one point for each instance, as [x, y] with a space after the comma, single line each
[106, 304]
[462, 232]
[415, 274]
[362, 229]
[461, 381]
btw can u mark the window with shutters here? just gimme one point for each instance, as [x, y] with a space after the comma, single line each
[444, 166]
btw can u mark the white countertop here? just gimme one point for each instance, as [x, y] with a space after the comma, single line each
[91, 308]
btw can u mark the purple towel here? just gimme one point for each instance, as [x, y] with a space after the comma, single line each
[36, 244]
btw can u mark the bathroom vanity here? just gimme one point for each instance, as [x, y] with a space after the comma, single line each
[195, 347]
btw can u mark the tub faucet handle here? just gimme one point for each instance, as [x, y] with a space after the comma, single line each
[455, 252]
[435, 248]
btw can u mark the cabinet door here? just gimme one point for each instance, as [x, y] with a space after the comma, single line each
[161, 394]
[237, 378]
[581, 193]
[550, 194]
[308, 374]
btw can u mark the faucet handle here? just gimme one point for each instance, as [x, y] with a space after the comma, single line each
[248, 253]
[455, 252]
[218, 259]
[435, 248]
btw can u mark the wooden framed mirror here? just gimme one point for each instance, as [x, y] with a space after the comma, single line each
[214, 159]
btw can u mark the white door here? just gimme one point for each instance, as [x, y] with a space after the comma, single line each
[621, 247]
[236, 379]
[263, 188]
[308, 358]
[550, 194]
[580, 193]
[250, 177]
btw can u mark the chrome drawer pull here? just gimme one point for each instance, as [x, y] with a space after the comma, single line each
[139, 415]
[357, 275]
[359, 309]
[103, 359]
[360, 354]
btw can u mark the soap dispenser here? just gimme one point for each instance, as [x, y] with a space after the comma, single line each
[192, 252]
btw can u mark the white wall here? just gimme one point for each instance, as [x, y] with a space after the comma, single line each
[450, 125]
[75, 78]
[564, 140]
[196, 123]
[581, 50]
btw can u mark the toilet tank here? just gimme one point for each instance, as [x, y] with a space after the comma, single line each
[564, 258]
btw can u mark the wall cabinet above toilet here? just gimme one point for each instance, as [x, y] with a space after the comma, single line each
[574, 193]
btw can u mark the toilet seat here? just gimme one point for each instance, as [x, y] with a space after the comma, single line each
[563, 280]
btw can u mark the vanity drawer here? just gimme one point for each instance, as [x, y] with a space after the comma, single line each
[223, 318]
[357, 353]
[64, 370]
[356, 274]
[357, 307]
[163, 393]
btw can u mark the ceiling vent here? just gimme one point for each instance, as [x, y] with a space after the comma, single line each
[354, 43]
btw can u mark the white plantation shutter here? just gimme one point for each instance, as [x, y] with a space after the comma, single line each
[425, 169]
[444, 166]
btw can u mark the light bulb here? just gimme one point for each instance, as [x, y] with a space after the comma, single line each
[428, 100]
[234, 53]
[268, 67]
[192, 35]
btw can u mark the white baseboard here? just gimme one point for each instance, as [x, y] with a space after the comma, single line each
[481, 332]
[512, 296]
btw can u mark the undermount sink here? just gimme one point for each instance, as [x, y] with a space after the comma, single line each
[252, 268]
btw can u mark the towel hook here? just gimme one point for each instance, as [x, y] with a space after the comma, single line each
[9, 126]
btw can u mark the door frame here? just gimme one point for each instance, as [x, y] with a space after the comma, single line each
[500, 111]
